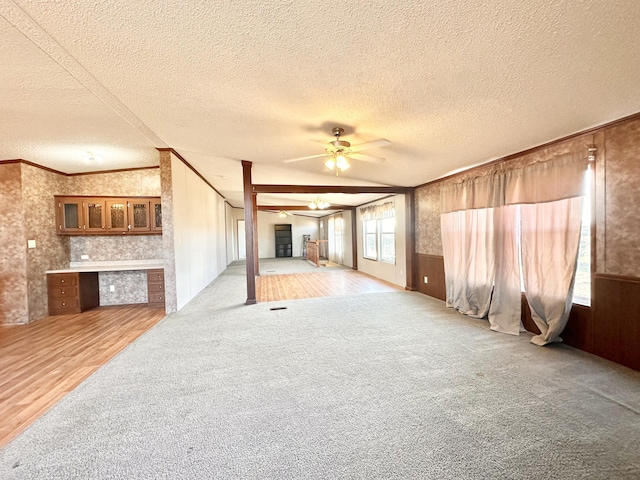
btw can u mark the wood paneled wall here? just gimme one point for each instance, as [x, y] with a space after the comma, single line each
[432, 267]
[616, 325]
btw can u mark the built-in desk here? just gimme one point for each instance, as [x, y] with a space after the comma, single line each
[75, 289]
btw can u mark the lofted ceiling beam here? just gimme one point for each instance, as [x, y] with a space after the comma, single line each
[328, 189]
[303, 207]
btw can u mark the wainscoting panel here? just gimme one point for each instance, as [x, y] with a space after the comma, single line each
[432, 267]
[617, 329]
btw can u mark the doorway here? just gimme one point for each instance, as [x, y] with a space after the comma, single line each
[242, 243]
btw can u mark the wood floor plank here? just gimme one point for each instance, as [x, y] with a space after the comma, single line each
[43, 361]
[292, 286]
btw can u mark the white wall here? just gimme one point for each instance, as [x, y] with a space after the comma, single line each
[386, 271]
[230, 233]
[199, 232]
[299, 226]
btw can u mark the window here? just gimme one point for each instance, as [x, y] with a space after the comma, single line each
[582, 287]
[370, 239]
[379, 237]
[388, 240]
[379, 232]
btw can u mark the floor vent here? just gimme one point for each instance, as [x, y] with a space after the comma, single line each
[278, 308]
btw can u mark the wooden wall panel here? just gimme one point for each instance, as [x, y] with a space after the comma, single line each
[616, 325]
[432, 267]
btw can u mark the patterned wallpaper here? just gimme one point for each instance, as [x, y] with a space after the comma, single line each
[52, 250]
[621, 155]
[170, 291]
[14, 307]
[132, 183]
[129, 287]
[118, 247]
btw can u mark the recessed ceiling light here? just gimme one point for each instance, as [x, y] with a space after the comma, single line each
[91, 157]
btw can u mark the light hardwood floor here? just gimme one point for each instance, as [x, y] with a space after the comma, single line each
[43, 361]
[327, 283]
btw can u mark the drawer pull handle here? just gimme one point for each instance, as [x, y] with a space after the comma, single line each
[63, 304]
[61, 281]
[62, 292]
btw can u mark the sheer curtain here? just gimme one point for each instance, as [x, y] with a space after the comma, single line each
[550, 194]
[493, 223]
[469, 260]
[505, 311]
[336, 238]
[468, 242]
[332, 239]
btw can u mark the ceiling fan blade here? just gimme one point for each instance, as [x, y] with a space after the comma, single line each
[366, 158]
[291, 160]
[381, 142]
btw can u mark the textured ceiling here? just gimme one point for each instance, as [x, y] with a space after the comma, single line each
[451, 84]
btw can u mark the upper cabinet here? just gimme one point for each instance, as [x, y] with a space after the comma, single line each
[108, 215]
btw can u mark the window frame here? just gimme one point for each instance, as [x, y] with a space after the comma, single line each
[365, 236]
[377, 235]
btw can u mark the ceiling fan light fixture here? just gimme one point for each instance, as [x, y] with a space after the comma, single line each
[282, 214]
[342, 163]
[330, 163]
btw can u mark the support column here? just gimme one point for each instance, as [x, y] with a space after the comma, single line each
[256, 251]
[354, 239]
[410, 237]
[249, 230]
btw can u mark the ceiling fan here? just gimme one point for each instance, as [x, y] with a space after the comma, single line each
[339, 152]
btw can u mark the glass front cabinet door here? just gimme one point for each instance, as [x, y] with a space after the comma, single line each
[116, 216]
[94, 216]
[156, 215]
[139, 216]
[69, 215]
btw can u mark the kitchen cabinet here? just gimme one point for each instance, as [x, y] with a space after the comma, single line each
[73, 292]
[156, 215]
[80, 215]
[70, 217]
[155, 288]
[116, 216]
[94, 215]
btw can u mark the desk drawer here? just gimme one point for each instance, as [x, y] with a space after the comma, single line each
[156, 300]
[64, 305]
[155, 276]
[155, 288]
[68, 291]
[63, 279]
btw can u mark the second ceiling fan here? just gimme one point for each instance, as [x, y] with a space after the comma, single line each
[339, 152]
